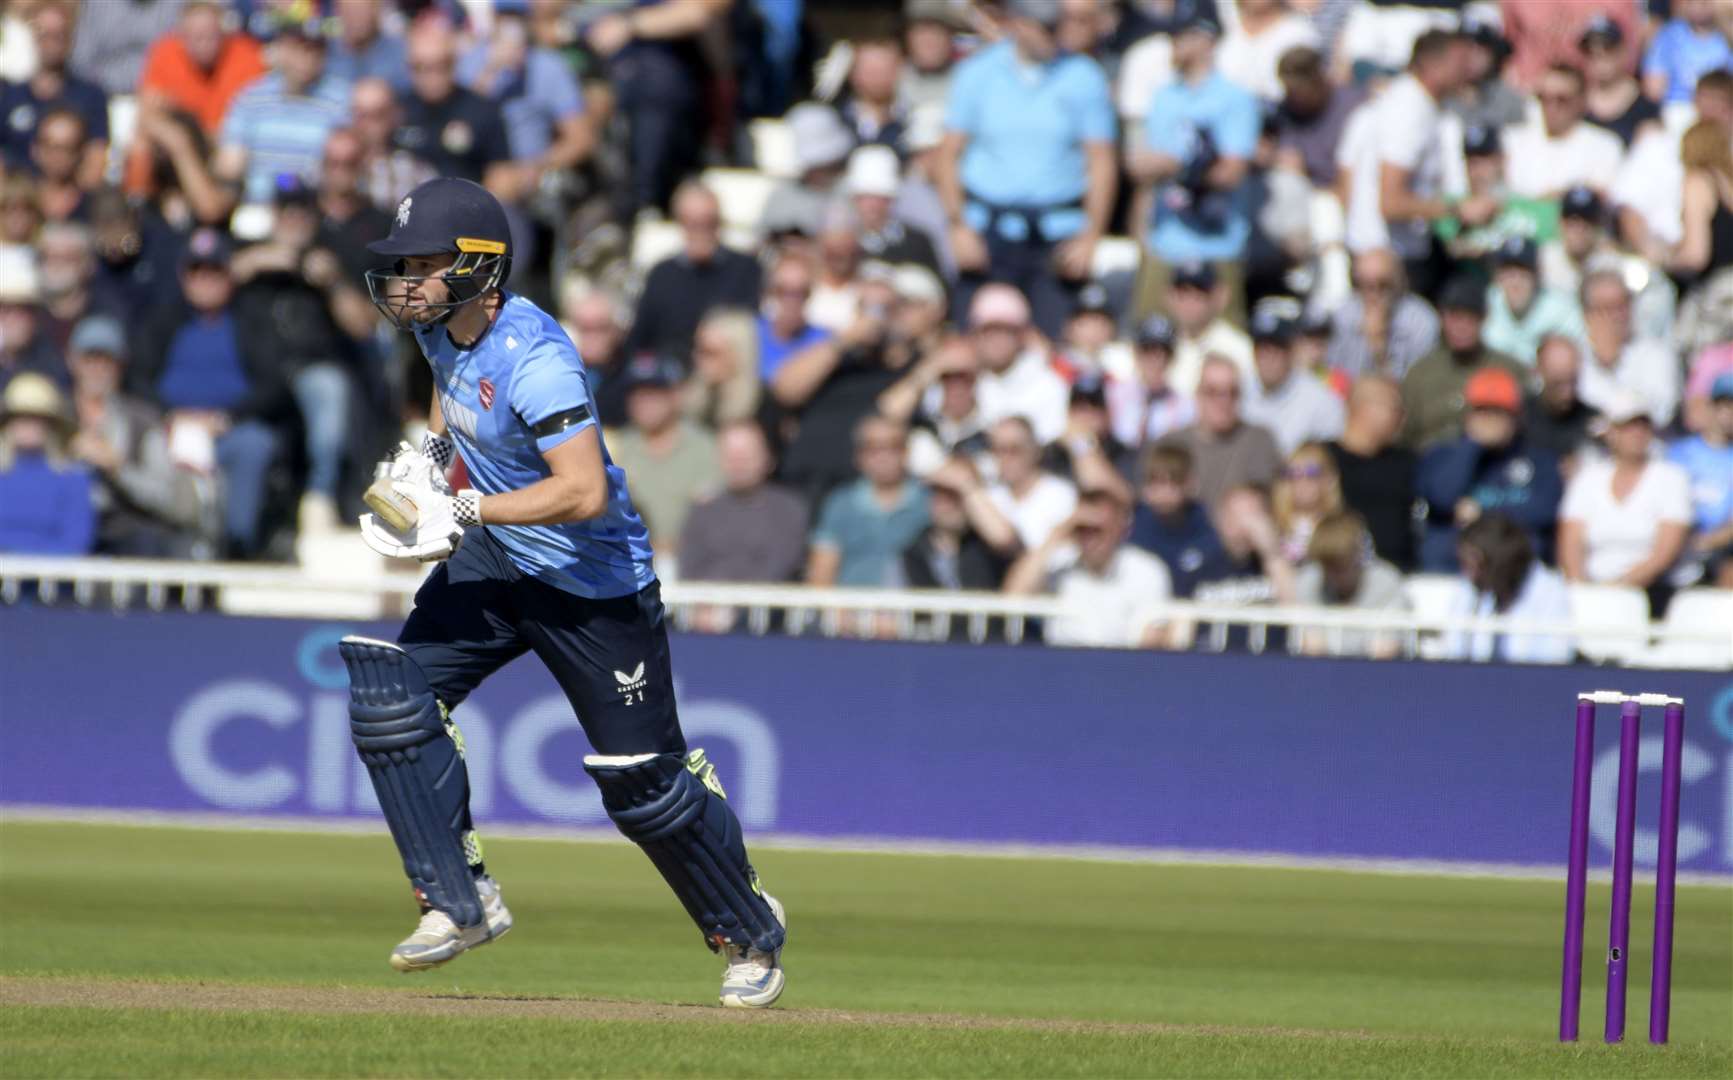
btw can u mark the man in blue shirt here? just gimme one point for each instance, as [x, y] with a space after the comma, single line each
[279, 124]
[1027, 171]
[1200, 134]
[545, 554]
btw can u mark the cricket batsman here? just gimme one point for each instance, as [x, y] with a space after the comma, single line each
[544, 554]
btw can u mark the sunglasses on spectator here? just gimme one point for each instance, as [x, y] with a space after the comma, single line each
[957, 376]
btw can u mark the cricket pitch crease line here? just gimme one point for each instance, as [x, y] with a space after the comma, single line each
[861, 845]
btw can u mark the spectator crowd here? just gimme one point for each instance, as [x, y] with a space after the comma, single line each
[1244, 301]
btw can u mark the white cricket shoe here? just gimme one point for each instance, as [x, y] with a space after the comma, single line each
[754, 979]
[438, 939]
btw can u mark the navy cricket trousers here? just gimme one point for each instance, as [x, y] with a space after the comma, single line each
[477, 612]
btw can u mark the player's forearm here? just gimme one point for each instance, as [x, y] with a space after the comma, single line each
[554, 500]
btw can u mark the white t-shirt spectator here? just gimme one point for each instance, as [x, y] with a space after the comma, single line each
[1029, 388]
[1620, 534]
[1251, 60]
[1041, 510]
[1646, 367]
[1652, 182]
[1146, 68]
[1402, 130]
[1538, 166]
[1105, 610]
[1542, 598]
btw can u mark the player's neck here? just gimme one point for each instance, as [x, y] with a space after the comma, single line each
[471, 321]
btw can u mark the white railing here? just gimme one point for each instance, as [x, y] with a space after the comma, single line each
[243, 589]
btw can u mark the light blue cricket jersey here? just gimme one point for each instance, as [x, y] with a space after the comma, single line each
[523, 371]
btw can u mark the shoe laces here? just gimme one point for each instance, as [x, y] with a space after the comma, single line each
[435, 922]
[749, 965]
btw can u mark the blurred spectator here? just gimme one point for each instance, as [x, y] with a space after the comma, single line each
[456, 131]
[1309, 490]
[1706, 367]
[1556, 418]
[946, 424]
[1088, 434]
[831, 385]
[872, 107]
[20, 214]
[361, 49]
[1035, 501]
[1492, 467]
[1501, 576]
[865, 526]
[1383, 327]
[1196, 300]
[56, 154]
[1519, 312]
[67, 256]
[348, 222]
[1487, 99]
[1706, 244]
[1615, 98]
[1105, 584]
[1517, 216]
[52, 88]
[278, 124]
[1226, 451]
[928, 26]
[918, 203]
[1543, 36]
[968, 544]
[596, 323]
[1312, 114]
[1342, 572]
[199, 67]
[1087, 346]
[873, 183]
[1583, 244]
[672, 461]
[1251, 570]
[724, 387]
[1397, 176]
[1625, 519]
[1648, 191]
[822, 145]
[22, 344]
[111, 50]
[135, 255]
[751, 530]
[1616, 357]
[1016, 378]
[1377, 475]
[1146, 407]
[654, 55]
[388, 171]
[1200, 133]
[294, 295]
[1432, 389]
[17, 45]
[147, 508]
[46, 505]
[1563, 149]
[222, 387]
[1294, 405]
[1707, 458]
[1683, 50]
[1170, 523]
[547, 126]
[783, 331]
[1027, 168]
[836, 288]
[173, 173]
[1264, 32]
[681, 289]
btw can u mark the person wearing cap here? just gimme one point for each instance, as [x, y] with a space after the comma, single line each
[1088, 433]
[146, 507]
[46, 499]
[54, 86]
[1312, 114]
[1027, 171]
[1556, 417]
[1544, 159]
[23, 345]
[279, 123]
[930, 50]
[1396, 186]
[704, 274]
[1383, 326]
[1261, 32]
[1491, 467]
[1483, 171]
[1110, 589]
[1294, 405]
[1341, 571]
[1615, 356]
[1707, 458]
[1519, 312]
[1585, 243]
[1145, 407]
[1686, 47]
[1017, 378]
[1196, 301]
[1615, 98]
[672, 461]
[874, 182]
[1432, 389]
[1626, 518]
[936, 402]
[822, 145]
[1192, 159]
[1088, 345]
[1487, 99]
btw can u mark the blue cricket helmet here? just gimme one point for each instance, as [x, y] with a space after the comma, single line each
[442, 216]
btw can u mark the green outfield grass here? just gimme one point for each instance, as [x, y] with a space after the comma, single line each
[142, 952]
